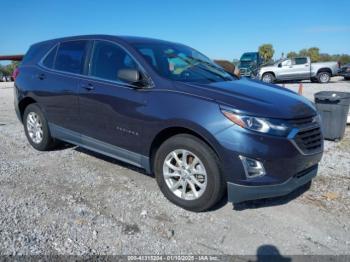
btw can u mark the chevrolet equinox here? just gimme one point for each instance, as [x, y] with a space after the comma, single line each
[170, 110]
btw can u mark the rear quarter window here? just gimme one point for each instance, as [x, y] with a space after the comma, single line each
[70, 56]
[50, 58]
[31, 53]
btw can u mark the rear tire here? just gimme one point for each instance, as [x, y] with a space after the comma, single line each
[268, 78]
[180, 186]
[323, 77]
[37, 129]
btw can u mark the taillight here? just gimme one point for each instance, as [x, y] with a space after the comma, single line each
[15, 73]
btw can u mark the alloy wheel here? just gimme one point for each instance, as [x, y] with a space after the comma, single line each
[267, 78]
[185, 174]
[35, 127]
[324, 77]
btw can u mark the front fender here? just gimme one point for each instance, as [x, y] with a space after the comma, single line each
[179, 110]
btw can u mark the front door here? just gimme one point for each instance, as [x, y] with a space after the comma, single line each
[110, 115]
[285, 70]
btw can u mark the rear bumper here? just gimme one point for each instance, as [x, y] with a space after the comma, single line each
[16, 105]
[239, 193]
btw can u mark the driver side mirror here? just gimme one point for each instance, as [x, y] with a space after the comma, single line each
[280, 65]
[131, 76]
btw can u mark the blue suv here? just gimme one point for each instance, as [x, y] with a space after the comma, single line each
[170, 110]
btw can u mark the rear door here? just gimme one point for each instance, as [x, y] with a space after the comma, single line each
[63, 66]
[301, 68]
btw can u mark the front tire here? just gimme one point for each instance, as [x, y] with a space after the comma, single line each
[36, 128]
[188, 174]
[268, 78]
[323, 77]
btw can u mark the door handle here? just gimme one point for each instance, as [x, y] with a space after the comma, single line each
[88, 87]
[41, 76]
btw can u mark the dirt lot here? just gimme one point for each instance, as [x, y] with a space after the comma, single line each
[73, 201]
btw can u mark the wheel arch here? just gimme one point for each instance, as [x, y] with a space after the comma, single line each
[269, 72]
[169, 132]
[24, 103]
[324, 69]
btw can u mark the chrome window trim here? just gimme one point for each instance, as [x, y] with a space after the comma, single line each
[98, 79]
[94, 79]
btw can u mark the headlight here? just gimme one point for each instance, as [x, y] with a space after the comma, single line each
[257, 124]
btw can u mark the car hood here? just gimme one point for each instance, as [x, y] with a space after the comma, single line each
[254, 98]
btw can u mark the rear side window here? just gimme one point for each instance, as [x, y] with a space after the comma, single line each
[70, 56]
[108, 59]
[50, 58]
[300, 61]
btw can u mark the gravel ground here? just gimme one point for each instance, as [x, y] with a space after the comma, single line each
[73, 201]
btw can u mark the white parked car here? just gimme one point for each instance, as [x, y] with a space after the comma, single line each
[299, 68]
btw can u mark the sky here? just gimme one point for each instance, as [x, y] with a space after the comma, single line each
[221, 29]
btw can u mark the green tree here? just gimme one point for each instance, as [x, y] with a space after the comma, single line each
[314, 54]
[5, 70]
[325, 57]
[303, 52]
[266, 51]
[344, 59]
[292, 54]
[8, 69]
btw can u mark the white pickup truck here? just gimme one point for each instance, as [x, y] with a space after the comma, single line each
[299, 68]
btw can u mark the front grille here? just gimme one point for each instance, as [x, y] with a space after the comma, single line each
[244, 72]
[302, 121]
[309, 141]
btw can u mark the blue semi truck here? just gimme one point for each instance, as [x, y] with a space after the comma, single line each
[250, 63]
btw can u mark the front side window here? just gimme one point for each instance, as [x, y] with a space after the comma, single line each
[108, 58]
[286, 63]
[182, 63]
[148, 54]
[70, 56]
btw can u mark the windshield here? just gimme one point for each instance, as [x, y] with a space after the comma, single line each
[182, 63]
[248, 57]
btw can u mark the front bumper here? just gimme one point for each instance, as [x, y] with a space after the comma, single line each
[344, 74]
[239, 193]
